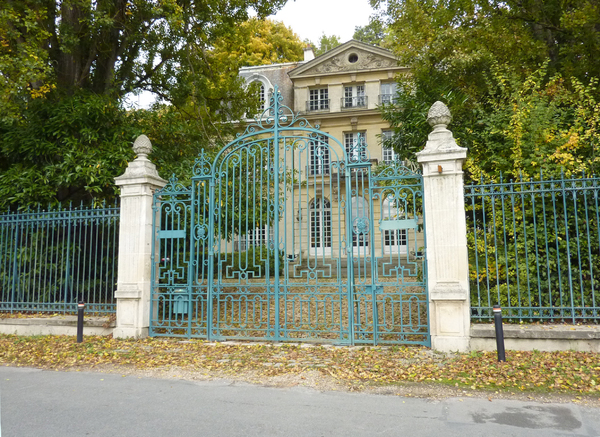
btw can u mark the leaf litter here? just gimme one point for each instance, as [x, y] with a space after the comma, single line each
[409, 371]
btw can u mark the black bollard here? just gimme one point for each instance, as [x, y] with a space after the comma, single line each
[80, 308]
[499, 333]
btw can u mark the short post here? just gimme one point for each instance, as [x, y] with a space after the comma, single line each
[499, 333]
[80, 309]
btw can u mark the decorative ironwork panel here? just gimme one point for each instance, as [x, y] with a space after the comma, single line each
[265, 243]
[389, 268]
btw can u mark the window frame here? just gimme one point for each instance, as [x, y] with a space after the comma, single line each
[319, 164]
[320, 225]
[348, 146]
[318, 99]
[389, 97]
[354, 96]
[388, 154]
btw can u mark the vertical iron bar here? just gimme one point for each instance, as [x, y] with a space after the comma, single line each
[153, 274]
[374, 266]
[589, 246]
[211, 254]
[596, 207]
[558, 264]
[536, 245]
[523, 187]
[276, 165]
[514, 229]
[192, 274]
[565, 215]
[549, 277]
[349, 249]
[100, 251]
[578, 242]
[17, 238]
[68, 261]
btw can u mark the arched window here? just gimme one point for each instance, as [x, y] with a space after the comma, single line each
[360, 218]
[320, 223]
[264, 88]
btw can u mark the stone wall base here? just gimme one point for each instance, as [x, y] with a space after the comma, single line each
[584, 338]
[130, 332]
[61, 325]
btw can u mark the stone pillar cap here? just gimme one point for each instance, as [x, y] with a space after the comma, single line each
[439, 114]
[440, 140]
[141, 170]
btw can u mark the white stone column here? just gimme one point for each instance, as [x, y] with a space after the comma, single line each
[446, 234]
[138, 184]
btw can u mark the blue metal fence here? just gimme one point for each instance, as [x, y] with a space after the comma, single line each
[534, 249]
[51, 259]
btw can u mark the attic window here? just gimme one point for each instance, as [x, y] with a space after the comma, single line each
[352, 58]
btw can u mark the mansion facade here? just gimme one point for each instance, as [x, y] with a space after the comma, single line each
[341, 92]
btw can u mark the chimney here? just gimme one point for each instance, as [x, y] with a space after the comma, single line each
[309, 55]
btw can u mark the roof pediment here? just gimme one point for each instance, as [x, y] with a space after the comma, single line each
[350, 57]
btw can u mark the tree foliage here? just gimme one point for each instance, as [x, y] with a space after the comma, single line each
[120, 46]
[325, 43]
[373, 33]
[66, 66]
[258, 42]
[24, 62]
[519, 78]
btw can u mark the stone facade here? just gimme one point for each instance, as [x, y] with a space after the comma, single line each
[367, 72]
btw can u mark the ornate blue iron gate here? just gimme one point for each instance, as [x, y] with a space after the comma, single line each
[287, 235]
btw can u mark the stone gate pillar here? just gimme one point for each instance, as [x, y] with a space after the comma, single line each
[138, 184]
[446, 234]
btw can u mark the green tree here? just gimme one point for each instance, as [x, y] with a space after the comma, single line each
[373, 33]
[120, 46]
[258, 42]
[325, 44]
[66, 66]
[481, 58]
[24, 65]
[521, 80]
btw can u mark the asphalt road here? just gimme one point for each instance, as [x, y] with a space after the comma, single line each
[64, 404]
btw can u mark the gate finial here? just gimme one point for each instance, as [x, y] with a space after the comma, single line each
[142, 147]
[441, 139]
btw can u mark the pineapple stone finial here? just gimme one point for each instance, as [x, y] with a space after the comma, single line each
[439, 114]
[142, 146]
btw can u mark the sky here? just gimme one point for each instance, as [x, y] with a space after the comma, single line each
[311, 18]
